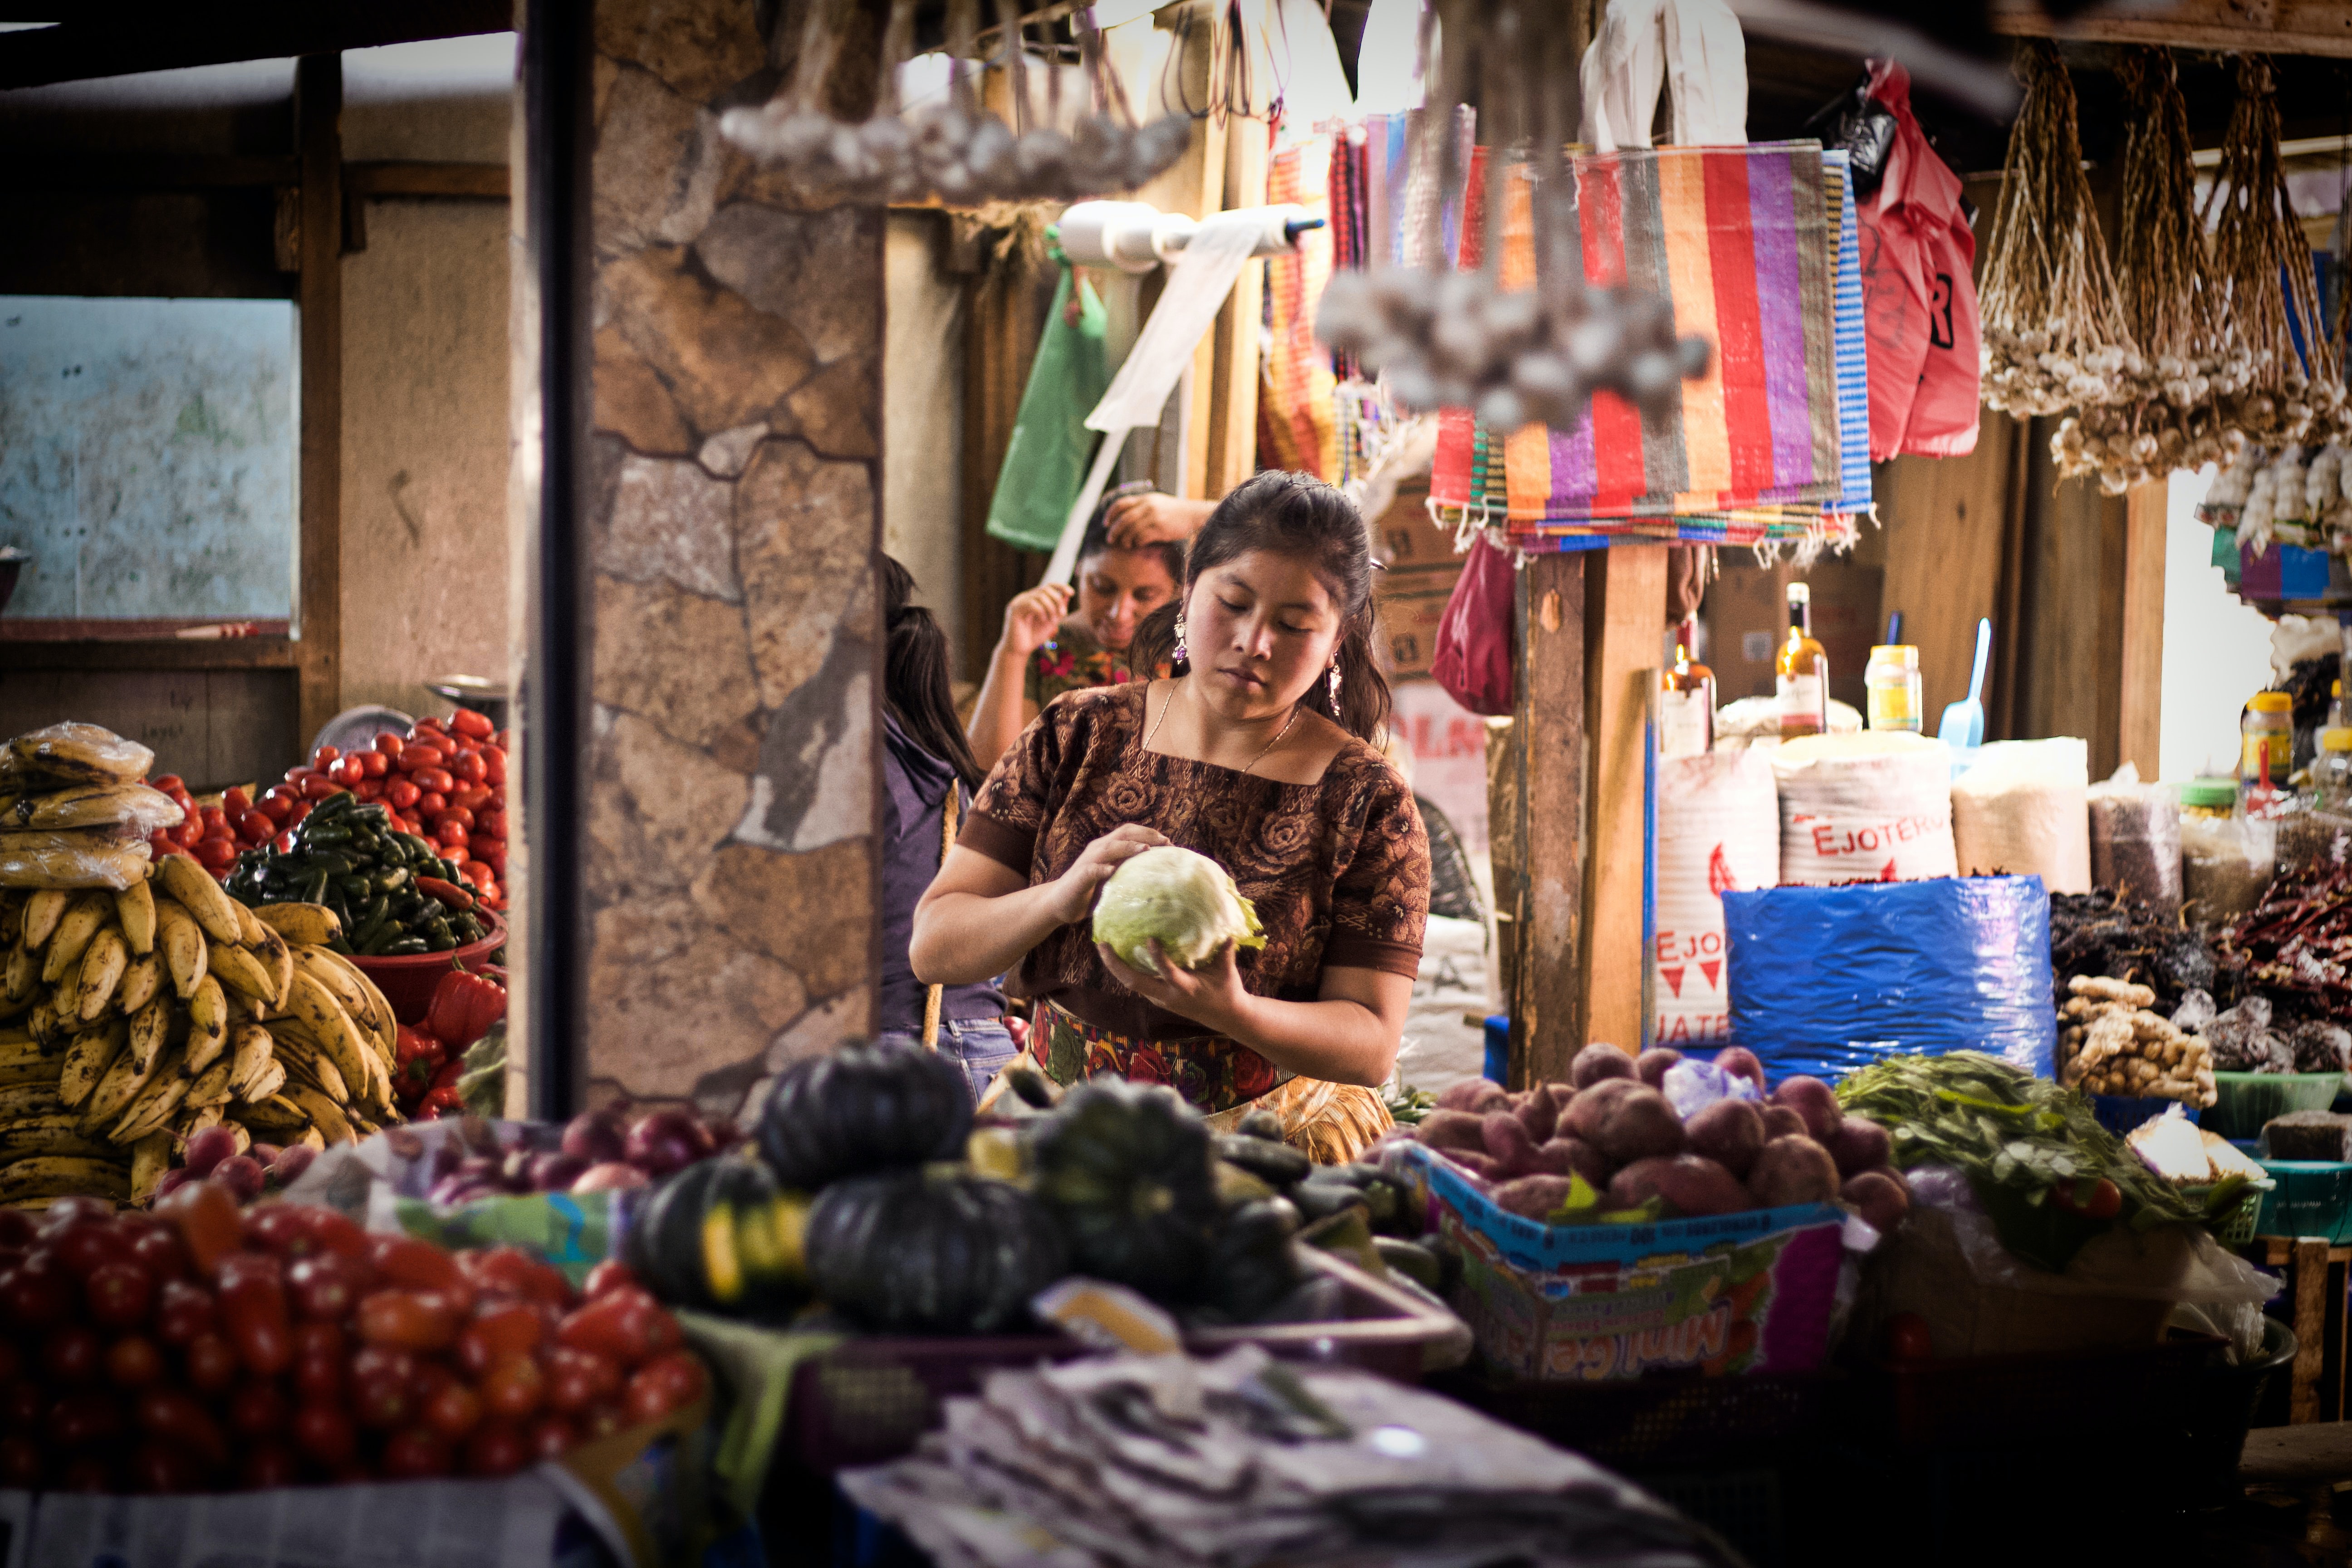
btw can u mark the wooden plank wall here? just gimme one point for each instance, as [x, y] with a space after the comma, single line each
[1544, 773]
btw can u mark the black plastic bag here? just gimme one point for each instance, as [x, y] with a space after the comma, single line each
[1864, 127]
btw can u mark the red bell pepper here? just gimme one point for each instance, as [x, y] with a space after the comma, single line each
[443, 1101]
[416, 1056]
[463, 1008]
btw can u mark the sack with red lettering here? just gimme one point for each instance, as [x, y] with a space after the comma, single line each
[1873, 807]
[1719, 829]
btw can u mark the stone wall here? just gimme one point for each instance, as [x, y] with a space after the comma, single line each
[732, 508]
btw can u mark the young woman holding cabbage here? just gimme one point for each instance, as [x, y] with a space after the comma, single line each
[1254, 754]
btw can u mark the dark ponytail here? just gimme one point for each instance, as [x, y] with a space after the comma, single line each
[1296, 515]
[915, 677]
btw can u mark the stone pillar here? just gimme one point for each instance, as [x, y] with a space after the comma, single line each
[731, 515]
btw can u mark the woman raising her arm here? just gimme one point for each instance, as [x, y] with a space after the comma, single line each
[1254, 754]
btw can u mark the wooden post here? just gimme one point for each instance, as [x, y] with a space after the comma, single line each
[318, 110]
[2142, 673]
[1230, 453]
[2310, 1329]
[1624, 619]
[1548, 728]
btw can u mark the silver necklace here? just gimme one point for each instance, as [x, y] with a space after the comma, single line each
[1152, 733]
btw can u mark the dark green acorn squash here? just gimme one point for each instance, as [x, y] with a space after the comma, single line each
[863, 1109]
[932, 1252]
[1125, 1170]
[1253, 1267]
[721, 1235]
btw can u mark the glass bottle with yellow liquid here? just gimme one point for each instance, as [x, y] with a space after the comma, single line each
[1800, 671]
[1685, 702]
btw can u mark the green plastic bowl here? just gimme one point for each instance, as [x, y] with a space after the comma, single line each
[2245, 1101]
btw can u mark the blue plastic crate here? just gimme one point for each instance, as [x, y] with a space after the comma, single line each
[1499, 1048]
[2314, 1197]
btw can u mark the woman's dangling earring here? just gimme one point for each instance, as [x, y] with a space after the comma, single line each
[1334, 687]
[1179, 661]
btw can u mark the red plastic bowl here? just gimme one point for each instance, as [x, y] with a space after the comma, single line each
[407, 980]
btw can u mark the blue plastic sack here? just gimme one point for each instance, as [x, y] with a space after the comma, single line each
[1827, 980]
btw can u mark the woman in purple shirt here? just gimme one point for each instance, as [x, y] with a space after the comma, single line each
[924, 756]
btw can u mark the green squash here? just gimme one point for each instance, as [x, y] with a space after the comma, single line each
[1254, 1266]
[1125, 1170]
[932, 1252]
[721, 1235]
[863, 1109]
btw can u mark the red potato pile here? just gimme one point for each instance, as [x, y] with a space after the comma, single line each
[1612, 1126]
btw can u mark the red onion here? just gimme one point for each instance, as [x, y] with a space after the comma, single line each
[172, 1180]
[610, 1175]
[264, 1154]
[208, 1149]
[665, 1141]
[292, 1162]
[555, 1172]
[240, 1175]
[594, 1136]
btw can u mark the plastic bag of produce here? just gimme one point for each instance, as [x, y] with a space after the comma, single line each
[71, 860]
[1718, 828]
[2226, 865]
[1874, 807]
[2021, 810]
[2135, 839]
[1826, 980]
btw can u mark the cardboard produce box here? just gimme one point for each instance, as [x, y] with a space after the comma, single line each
[1724, 1296]
[1409, 615]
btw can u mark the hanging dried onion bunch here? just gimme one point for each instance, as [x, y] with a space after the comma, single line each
[2166, 419]
[959, 150]
[1446, 339]
[2265, 391]
[2054, 336]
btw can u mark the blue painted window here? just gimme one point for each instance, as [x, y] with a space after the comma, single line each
[147, 458]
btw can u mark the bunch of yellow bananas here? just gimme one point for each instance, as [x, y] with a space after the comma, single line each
[131, 1020]
[72, 811]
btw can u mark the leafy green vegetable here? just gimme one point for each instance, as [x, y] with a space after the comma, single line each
[1185, 902]
[2033, 1151]
[1409, 1105]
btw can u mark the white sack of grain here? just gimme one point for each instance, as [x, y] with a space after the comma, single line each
[1873, 807]
[2023, 810]
[1718, 828]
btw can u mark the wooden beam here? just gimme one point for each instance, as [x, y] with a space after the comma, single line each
[479, 182]
[28, 654]
[317, 119]
[1232, 427]
[126, 39]
[120, 172]
[1548, 1003]
[2237, 26]
[1625, 620]
[2138, 736]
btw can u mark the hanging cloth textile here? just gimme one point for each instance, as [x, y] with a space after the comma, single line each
[1046, 462]
[1693, 49]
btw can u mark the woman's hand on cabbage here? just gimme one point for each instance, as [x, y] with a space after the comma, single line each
[1171, 903]
[1212, 996]
[1075, 890]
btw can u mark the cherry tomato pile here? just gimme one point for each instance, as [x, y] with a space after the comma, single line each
[201, 1348]
[445, 780]
[210, 834]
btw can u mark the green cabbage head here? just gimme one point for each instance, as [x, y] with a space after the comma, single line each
[1183, 900]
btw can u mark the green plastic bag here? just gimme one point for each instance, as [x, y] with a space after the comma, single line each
[1046, 462]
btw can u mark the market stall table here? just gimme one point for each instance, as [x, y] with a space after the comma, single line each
[2317, 1289]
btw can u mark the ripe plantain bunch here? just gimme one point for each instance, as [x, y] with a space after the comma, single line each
[131, 1020]
[72, 811]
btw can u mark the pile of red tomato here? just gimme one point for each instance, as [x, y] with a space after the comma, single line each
[202, 1348]
[445, 780]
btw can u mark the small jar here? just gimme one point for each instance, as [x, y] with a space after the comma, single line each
[2331, 771]
[2267, 751]
[1890, 686]
[2211, 799]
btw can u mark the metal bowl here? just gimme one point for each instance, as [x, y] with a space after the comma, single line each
[355, 729]
[487, 698]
